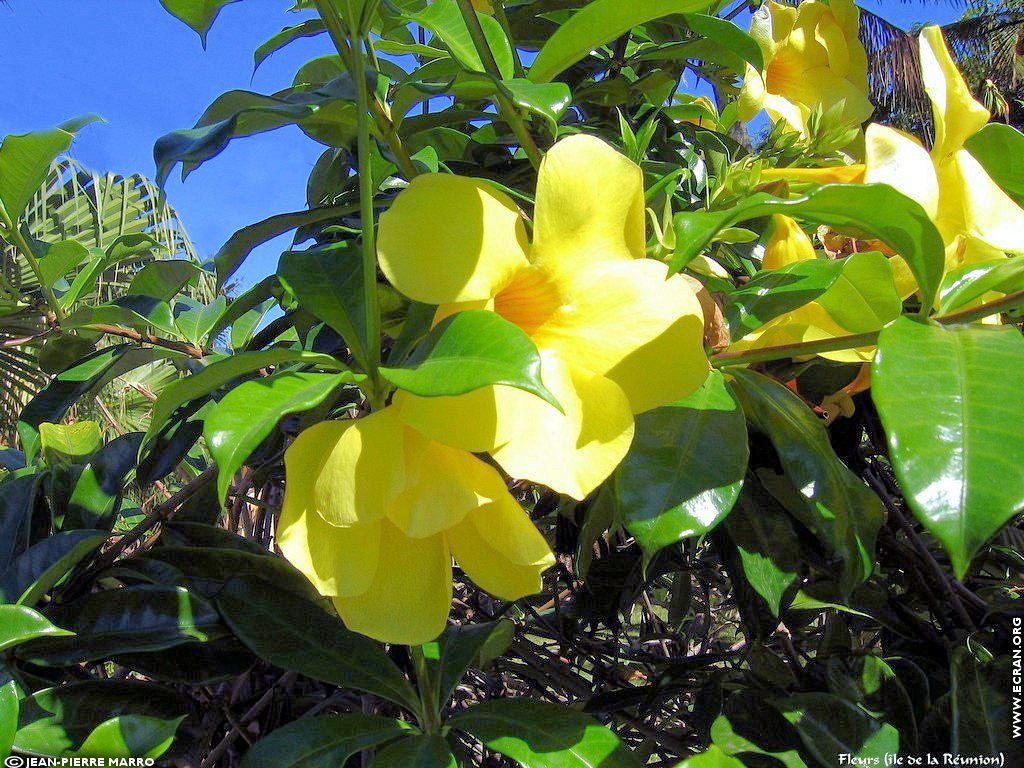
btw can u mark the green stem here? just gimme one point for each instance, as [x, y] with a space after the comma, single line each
[18, 241]
[786, 351]
[502, 17]
[430, 716]
[508, 110]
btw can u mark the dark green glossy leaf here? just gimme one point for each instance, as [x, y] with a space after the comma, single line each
[415, 752]
[457, 649]
[300, 635]
[8, 713]
[163, 279]
[44, 564]
[216, 375]
[549, 100]
[197, 14]
[830, 727]
[772, 293]
[470, 350]
[875, 211]
[130, 736]
[249, 413]
[327, 741]
[17, 502]
[328, 282]
[1000, 150]
[20, 624]
[241, 244]
[147, 617]
[58, 719]
[307, 28]
[99, 487]
[536, 734]
[61, 352]
[685, 468]
[833, 502]
[596, 24]
[982, 709]
[947, 401]
[766, 543]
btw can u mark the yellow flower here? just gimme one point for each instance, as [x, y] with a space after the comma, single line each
[813, 60]
[374, 511]
[617, 336]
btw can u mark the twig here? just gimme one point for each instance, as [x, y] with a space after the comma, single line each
[148, 338]
[254, 711]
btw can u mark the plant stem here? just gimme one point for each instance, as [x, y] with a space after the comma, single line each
[430, 717]
[785, 351]
[508, 110]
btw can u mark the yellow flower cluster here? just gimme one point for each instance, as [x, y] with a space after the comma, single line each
[375, 508]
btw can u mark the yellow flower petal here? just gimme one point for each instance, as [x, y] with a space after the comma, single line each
[626, 321]
[574, 452]
[338, 561]
[840, 174]
[974, 206]
[590, 206]
[363, 470]
[501, 550]
[411, 594]
[899, 160]
[443, 485]
[787, 245]
[449, 239]
[958, 116]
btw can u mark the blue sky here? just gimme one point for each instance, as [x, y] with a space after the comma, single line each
[147, 74]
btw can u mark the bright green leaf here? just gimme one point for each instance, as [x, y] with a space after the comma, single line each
[415, 752]
[1000, 150]
[197, 14]
[445, 20]
[19, 624]
[68, 442]
[327, 741]
[130, 736]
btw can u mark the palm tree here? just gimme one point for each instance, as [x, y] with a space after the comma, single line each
[94, 210]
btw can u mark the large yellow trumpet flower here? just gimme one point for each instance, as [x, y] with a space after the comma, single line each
[813, 59]
[374, 511]
[617, 335]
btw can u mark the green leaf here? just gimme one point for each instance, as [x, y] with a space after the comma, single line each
[194, 320]
[328, 282]
[864, 297]
[712, 758]
[163, 279]
[19, 624]
[17, 503]
[24, 162]
[308, 28]
[68, 442]
[685, 468]
[981, 707]
[249, 412]
[216, 375]
[729, 36]
[301, 636]
[772, 293]
[536, 734]
[44, 564]
[875, 211]
[415, 752]
[830, 727]
[327, 741]
[947, 400]
[963, 287]
[457, 649]
[147, 617]
[445, 20]
[1000, 150]
[549, 100]
[470, 350]
[101, 483]
[127, 736]
[231, 255]
[197, 14]
[767, 545]
[60, 258]
[596, 24]
[725, 736]
[833, 502]
[138, 312]
[58, 719]
[8, 713]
